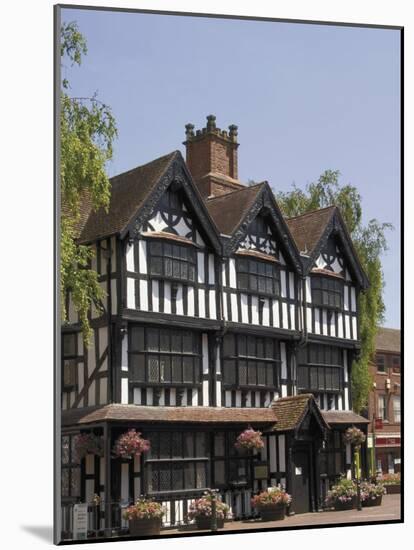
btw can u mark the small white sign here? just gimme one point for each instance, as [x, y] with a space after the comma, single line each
[80, 521]
[370, 441]
[298, 471]
[397, 460]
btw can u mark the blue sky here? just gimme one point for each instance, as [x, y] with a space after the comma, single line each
[306, 98]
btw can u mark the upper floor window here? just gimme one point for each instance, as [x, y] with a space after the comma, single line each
[69, 360]
[164, 356]
[382, 407]
[71, 472]
[258, 276]
[396, 403]
[396, 364]
[172, 261]
[320, 368]
[327, 292]
[250, 361]
[380, 360]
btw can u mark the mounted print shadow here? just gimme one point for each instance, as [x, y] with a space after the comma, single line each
[225, 360]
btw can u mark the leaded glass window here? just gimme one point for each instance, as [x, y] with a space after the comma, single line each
[258, 276]
[164, 356]
[250, 361]
[172, 261]
[327, 291]
[69, 361]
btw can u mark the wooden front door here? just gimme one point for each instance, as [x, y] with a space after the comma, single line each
[301, 480]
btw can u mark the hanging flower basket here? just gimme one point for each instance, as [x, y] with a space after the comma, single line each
[144, 517]
[249, 440]
[130, 444]
[88, 443]
[354, 436]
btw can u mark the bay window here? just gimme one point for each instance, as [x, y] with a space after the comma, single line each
[258, 276]
[172, 261]
[164, 356]
[327, 291]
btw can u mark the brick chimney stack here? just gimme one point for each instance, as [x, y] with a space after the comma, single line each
[212, 158]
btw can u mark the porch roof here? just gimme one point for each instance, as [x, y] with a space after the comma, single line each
[343, 417]
[218, 415]
[291, 411]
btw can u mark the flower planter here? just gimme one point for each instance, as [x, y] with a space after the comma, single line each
[372, 501]
[394, 489]
[144, 527]
[275, 512]
[204, 522]
[347, 505]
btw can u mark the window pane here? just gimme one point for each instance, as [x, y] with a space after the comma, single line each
[303, 377]
[252, 373]
[313, 378]
[188, 342]
[229, 345]
[321, 378]
[165, 368]
[164, 340]
[69, 372]
[156, 248]
[137, 339]
[191, 273]
[188, 445]
[168, 269]
[165, 477]
[260, 347]
[176, 445]
[65, 449]
[253, 282]
[261, 284]
[176, 369]
[201, 450]
[156, 265]
[201, 478]
[219, 472]
[188, 369]
[219, 444]
[137, 367]
[75, 482]
[152, 339]
[269, 286]
[153, 368]
[189, 475]
[229, 371]
[251, 346]
[261, 374]
[176, 269]
[165, 445]
[270, 369]
[269, 349]
[176, 338]
[69, 344]
[65, 482]
[242, 345]
[242, 373]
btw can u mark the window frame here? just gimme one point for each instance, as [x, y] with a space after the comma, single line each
[165, 355]
[250, 272]
[69, 466]
[396, 364]
[381, 365]
[269, 364]
[396, 411]
[385, 416]
[171, 462]
[72, 359]
[319, 360]
[189, 260]
[327, 280]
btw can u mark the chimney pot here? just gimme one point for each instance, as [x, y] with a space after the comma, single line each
[189, 131]
[233, 131]
[211, 123]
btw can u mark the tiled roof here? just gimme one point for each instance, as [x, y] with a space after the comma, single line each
[343, 417]
[229, 210]
[128, 193]
[307, 229]
[290, 411]
[138, 413]
[388, 339]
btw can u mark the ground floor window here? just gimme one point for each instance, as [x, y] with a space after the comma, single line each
[332, 462]
[71, 471]
[177, 461]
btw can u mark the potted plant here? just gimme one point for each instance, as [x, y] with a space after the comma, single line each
[271, 504]
[354, 436]
[371, 493]
[392, 483]
[249, 440]
[88, 443]
[130, 444]
[342, 495]
[144, 517]
[201, 511]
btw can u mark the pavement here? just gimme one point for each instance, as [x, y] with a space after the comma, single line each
[390, 510]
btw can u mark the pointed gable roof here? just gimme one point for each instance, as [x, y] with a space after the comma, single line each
[229, 210]
[232, 213]
[128, 193]
[308, 228]
[291, 412]
[312, 230]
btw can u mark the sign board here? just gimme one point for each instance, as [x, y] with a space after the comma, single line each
[370, 441]
[298, 470]
[261, 471]
[80, 521]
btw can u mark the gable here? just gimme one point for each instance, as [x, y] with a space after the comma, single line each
[331, 258]
[175, 206]
[174, 215]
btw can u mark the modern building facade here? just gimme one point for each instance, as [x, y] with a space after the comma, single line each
[385, 401]
[220, 314]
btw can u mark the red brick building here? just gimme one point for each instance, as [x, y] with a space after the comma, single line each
[385, 400]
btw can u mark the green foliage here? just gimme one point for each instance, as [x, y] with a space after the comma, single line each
[370, 242]
[87, 132]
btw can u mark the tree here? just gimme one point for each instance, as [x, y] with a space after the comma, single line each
[370, 243]
[87, 132]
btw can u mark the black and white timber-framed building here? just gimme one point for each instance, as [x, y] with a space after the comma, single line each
[219, 314]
